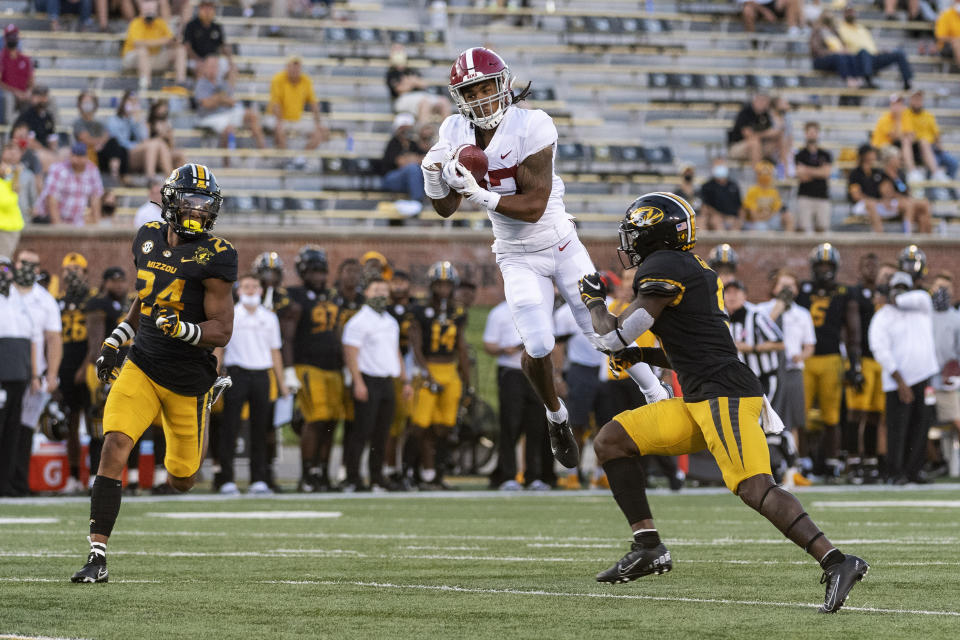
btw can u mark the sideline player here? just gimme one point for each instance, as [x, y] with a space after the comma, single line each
[439, 346]
[535, 239]
[724, 262]
[185, 311]
[681, 299]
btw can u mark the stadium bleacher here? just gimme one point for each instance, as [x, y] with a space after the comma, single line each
[633, 92]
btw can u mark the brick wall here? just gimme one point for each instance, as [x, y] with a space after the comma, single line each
[414, 249]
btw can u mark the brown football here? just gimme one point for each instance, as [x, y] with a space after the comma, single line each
[474, 159]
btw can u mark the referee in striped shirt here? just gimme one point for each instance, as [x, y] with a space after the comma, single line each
[758, 339]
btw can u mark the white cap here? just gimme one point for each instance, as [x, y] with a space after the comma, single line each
[403, 120]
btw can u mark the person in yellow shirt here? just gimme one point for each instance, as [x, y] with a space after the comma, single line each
[893, 128]
[947, 31]
[149, 46]
[11, 219]
[291, 92]
[762, 203]
[858, 41]
[927, 139]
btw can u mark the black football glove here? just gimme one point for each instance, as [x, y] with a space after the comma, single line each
[624, 359]
[107, 363]
[593, 290]
[854, 378]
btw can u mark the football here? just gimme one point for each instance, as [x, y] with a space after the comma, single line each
[473, 158]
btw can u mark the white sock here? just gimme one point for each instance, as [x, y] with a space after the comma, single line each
[428, 475]
[133, 476]
[649, 384]
[159, 476]
[558, 416]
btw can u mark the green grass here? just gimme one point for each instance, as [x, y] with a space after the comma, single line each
[214, 578]
[486, 383]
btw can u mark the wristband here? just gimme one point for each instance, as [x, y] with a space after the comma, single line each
[433, 185]
[120, 335]
[189, 333]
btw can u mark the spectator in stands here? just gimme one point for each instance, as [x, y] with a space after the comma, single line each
[762, 204]
[916, 9]
[721, 199]
[105, 9]
[41, 123]
[109, 155]
[753, 136]
[129, 128]
[72, 191]
[150, 210]
[926, 144]
[401, 166]
[829, 53]
[203, 38]
[902, 340]
[947, 31]
[863, 187]
[21, 181]
[149, 46]
[895, 195]
[22, 136]
[408, 90]
[16, 73]
[11, 218]
[783, 122]
[814, 166]
[687, 188]
[895, 128]
[54, 8]
[946, 337]
[857, 39]
[427, 135]
[218, 110]
[160, 128]
[771, 11]
[291, 91]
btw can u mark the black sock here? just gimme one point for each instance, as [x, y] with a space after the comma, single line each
[104, 505]
[75, 471]
[647, 538]
[627, 482]
[833, 557]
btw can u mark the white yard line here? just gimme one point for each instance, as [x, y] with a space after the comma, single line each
[886, 504]
[64, 580]
[13, 636]
[611, 596]
[29, 521]
[244, 515]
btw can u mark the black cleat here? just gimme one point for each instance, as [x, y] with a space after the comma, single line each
[639, 561]
[94, 571]
[563, 444]
[839, 579]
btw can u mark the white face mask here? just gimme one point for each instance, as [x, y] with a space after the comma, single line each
[721, 171]
[249, 301]
[88, 106]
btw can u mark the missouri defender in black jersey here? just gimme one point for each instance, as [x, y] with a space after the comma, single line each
[680, 299]
[184, 312]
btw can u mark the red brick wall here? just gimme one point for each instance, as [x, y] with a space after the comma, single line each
[414, 249]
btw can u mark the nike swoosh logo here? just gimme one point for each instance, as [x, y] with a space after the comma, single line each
[587, 283]
[625, 569]
[505, 154]
[102, 573]
[186, 260]
[565, 246]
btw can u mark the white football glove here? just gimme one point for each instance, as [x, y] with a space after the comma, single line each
[455, 175]
[290, 380]
[471, 190]
[433, 184]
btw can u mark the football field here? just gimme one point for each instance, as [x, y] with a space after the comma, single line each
[474, 565]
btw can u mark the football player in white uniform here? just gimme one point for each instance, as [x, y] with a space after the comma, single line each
[535, 239]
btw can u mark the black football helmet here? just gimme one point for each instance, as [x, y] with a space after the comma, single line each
[913, 261]
[311, 258]
[723, 255]
[54, 421]
[824, 263]
[443, 271]
[191, 187]
[267, 261]
[655, 221]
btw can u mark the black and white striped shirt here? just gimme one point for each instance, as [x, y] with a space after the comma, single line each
[751, 326]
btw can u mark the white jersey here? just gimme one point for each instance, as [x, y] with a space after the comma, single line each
[521, 133]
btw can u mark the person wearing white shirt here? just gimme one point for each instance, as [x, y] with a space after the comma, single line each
[17, 369]
[248, 358]
[521, 412]
[150, 211]
[901, 338]
[371, 350]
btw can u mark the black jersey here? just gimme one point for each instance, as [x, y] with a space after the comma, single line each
[403, 314]
[172, 278]
[113, 312]
[347, 308]
[316, 341]
[276, 299]
[828, 308]
[74, 331]
[866, 299]
[439, 330]
[693, 329]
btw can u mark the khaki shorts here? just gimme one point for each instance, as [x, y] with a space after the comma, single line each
[813, 214]
[159, 62]
[304, 126]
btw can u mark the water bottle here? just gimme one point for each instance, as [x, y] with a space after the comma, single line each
[231, 140]
[349, 142]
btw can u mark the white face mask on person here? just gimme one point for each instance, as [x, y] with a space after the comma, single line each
[249, 300]
[721, 171]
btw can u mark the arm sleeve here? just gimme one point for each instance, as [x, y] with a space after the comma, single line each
[353, 333]
[879, 340]
[541, 133]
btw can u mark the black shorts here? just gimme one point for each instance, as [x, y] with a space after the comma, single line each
[75, 396]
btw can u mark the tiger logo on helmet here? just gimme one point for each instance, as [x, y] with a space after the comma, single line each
[655, 221]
